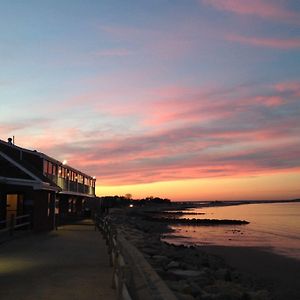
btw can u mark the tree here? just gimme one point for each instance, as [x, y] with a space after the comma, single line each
[128, 196]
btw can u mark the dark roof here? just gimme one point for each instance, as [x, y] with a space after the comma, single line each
[8, 169]
[39, 155]
[37, 173]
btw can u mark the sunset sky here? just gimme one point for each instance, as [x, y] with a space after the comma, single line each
[184, 99]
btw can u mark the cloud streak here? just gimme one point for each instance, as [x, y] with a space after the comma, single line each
[227, 133]
[284, 44]
[272, 10]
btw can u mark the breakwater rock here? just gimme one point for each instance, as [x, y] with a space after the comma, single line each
[195, 222]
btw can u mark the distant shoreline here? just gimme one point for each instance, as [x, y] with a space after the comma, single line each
[231, 202]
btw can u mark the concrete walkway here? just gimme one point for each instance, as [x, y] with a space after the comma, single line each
[68, 264]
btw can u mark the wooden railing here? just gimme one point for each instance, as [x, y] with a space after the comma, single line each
[13, 223]
[133, 277]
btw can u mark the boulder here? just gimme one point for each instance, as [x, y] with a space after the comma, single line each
[185, 273]
[173, 264]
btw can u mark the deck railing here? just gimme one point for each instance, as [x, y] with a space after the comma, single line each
[9, 226]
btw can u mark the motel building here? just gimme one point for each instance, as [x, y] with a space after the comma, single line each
[40, 187]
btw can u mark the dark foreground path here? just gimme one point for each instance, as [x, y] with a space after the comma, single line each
[70, 263]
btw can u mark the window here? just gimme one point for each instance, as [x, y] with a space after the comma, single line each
[45, 166]
[54, 170]
[80, 178]
[49, 170]
[60, 171]
[64, 172]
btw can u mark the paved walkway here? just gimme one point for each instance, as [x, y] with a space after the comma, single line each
[68, 264]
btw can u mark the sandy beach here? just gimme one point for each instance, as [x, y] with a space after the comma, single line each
[280, 274]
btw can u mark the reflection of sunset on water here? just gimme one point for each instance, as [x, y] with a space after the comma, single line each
[274, 226]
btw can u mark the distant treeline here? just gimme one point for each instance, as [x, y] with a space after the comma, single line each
[112, 201]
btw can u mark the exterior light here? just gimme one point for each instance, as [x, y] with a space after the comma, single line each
[130, 205]
[64, 162]
[94, 177]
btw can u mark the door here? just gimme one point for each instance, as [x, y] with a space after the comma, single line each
[14, 205]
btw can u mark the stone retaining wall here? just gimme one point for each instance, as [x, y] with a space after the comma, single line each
[134, 278]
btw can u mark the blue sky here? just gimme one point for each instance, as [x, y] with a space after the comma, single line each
[148, 92]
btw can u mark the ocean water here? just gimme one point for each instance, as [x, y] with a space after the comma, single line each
[275, 226]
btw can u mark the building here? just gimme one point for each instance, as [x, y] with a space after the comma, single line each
[36, 184]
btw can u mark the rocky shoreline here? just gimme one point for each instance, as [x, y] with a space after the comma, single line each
[188, 271]
[195, 222]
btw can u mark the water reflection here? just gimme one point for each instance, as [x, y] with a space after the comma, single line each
[275, 226]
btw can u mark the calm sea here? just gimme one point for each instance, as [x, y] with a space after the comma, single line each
[275, 226]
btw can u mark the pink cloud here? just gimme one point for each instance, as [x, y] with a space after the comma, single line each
[284, 44]
[191, 133]
[260, 8]
[202, 105]
[289, 86]
[113, 52]
[267, 101]
[8, 129]
[189, 152]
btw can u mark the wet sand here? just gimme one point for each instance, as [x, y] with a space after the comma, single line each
[280, 274]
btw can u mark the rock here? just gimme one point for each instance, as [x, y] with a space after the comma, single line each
[176, 285]
[205, 278]
[173, 264]
[193, 289]
[185, 273]
[190, 272]
[182, 296]
[222, 274]
[188, 266]
[150, 251]
[206, 296]
[159, 257]
[260, 295]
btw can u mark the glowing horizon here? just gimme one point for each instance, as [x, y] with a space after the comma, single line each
[158, 98]
[245, 188]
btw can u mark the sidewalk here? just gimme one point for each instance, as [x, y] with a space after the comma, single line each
[68, 264]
